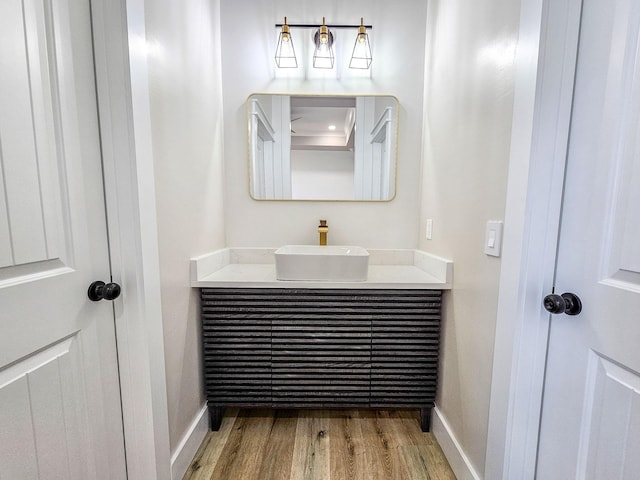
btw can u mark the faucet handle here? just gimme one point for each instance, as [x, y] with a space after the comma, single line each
[322, 230]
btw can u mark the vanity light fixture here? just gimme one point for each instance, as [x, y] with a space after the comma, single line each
[361, 56]
[323, 56]
[285, 53]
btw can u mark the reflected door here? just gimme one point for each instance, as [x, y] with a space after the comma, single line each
[59, 393]
[590, 427]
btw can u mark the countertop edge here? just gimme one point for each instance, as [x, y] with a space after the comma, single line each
[255, 268]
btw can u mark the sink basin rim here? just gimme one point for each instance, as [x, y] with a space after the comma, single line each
[332, 263]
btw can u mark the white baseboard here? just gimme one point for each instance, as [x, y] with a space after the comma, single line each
[188, 446]
[459, 462]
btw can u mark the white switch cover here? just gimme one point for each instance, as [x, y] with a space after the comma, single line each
[429, 228]
[493, 238]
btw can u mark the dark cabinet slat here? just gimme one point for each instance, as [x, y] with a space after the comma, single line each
[230, 372]
[228, 347]
[359, 373]
[324, 338]
[238, 393]
[335, 376]
[215, 331]
[319, 331]
[295, 361]
[334, 366]
[323, 396]
[317, 310]
[238, 383]
[245, 402]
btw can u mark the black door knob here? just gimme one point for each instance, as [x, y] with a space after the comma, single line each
[568, 303]
[99, 290]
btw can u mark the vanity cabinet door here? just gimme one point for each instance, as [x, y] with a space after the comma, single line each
[321, 353]
[236, 336]
[405, 338]
[321, 347]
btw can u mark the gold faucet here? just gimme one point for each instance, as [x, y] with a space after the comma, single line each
[322, 230]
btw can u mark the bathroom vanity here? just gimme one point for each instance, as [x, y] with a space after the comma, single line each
[371, 344]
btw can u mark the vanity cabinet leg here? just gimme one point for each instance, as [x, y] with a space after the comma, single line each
[425, 419]
[215, 417]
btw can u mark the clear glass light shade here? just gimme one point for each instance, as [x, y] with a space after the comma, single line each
[285, 53]
[323, 54]
[361, 56]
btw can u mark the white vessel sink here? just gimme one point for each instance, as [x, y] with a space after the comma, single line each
[329, 263]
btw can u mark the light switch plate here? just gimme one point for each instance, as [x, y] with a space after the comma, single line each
[493, 238]
[428, 231]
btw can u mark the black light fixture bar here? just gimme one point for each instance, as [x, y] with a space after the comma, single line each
[315, 25]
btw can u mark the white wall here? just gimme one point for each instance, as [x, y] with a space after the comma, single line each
[248, 46]
[186, 119]
[469, 84]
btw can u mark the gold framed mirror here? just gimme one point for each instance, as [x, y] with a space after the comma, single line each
[322, 147]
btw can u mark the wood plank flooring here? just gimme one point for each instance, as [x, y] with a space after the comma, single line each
[263, 444]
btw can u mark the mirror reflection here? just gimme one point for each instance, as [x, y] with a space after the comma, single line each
[322, 147]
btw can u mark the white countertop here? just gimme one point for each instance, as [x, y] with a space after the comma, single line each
[255, 267]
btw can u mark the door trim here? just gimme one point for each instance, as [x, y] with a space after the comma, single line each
[545, 72]
[122, 91]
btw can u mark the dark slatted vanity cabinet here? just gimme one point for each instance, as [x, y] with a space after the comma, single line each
[320, 348]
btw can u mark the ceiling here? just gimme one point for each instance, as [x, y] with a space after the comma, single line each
[311, 118]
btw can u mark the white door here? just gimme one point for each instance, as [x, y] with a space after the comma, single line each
[60, 412]
[590, 425]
